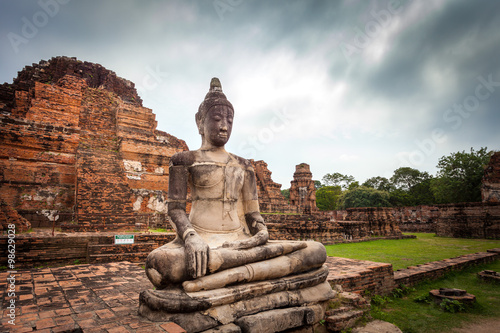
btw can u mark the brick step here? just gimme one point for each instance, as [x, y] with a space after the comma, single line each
[132, 257]
[122, 248]
[343, 320]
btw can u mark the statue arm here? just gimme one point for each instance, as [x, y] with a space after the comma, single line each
[195, 247]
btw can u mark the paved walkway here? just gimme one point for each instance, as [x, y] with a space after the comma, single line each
[84, 298]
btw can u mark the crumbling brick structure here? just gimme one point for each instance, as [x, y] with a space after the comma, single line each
[78, 147]
[270, 197]
[490, 189]
[302, 190]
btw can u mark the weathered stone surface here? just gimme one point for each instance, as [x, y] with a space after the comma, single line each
[463, 220]
[452, 294]
[489, 275]
[377, 326]
[303, 227]
[345, 310]
[8, 216]
[302, 190]
[270, 197]
[78, 146]
[281, 319]
[380, 220]
[490, 189]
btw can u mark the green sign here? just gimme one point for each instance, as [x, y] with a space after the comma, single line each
[124, 239]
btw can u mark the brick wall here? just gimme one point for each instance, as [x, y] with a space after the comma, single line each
[490, 189]
[302, 227]
[78, 146]
[34, 250]
[465, 220]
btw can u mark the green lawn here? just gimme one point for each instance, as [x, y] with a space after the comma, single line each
[402, 253]
[413, 317]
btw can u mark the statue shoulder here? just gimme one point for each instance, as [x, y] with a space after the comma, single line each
[185, 158]
[246, 164]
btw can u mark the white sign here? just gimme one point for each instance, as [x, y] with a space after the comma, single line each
[124, 239]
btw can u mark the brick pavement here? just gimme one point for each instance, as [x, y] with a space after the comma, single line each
[83, 298]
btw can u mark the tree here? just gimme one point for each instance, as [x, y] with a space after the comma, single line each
[317, 184]
[338, 179]
[421, 193]
[286, 193]
[364, 197]
[379, 183]
[327, 197]
[405, 178]
[459, 176]
[400, 198]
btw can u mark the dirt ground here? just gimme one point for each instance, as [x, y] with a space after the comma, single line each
[484, 326]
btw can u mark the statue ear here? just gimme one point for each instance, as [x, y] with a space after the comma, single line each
[198, 123]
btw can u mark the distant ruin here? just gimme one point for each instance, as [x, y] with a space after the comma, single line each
[302, 191]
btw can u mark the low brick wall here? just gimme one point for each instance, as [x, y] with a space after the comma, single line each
[360, 275]
[302, 227]
[436, 269]
[34, 250]
[461, 220]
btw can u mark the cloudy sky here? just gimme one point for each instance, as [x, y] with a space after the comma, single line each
[356, 87]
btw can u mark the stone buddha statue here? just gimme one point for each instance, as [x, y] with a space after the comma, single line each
[224, 242]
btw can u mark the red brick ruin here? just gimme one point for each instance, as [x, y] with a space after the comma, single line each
[302, 191]
[78, 150]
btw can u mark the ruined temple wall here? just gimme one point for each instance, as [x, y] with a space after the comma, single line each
[464, 220]
[381, 220]
[270, 198]
[469, 220]
[38, 151]
[303, 227]
[77, 146]
[302, 190]
[490, 188]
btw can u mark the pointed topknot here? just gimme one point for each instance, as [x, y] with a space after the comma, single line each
[215, 85]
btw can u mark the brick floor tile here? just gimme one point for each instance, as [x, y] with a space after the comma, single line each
[88, 323]
[63, 312]
[47, 314]
[172, 328]
[20, 329]
[118, 329]
[105, 314]
[65, 328]
[149, 329]
[45, 323]
[85, 315]
[64, 320]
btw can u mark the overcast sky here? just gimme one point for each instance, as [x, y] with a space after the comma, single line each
[356, 87]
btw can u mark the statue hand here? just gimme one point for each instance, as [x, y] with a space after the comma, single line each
[196, 256]
[258, 239]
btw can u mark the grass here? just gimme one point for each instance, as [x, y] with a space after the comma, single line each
[158, 230]
[402, 253]
[416, 317]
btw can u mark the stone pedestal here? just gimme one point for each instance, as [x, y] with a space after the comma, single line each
[268, 306]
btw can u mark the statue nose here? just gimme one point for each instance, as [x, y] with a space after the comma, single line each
[223, 125]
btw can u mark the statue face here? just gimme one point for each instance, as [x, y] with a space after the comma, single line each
[218, 125]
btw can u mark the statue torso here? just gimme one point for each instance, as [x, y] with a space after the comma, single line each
[216, 184]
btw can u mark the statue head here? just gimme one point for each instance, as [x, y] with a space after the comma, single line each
[215, 115]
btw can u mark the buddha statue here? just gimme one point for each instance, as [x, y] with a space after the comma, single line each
[224, 242]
